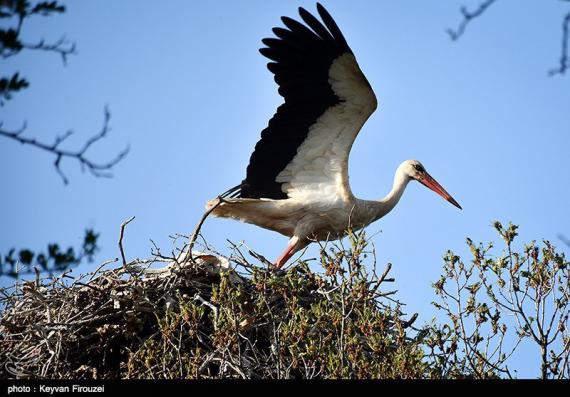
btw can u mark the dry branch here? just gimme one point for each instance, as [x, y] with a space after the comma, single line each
[468, 16]
[121, 235]
[96, 169]
[564, 62]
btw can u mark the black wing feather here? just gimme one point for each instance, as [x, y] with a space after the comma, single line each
[316, 25]
[302, 56]
[332, 27]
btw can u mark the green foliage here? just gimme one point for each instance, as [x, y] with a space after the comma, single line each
[195, 322]
[8, 86]
[200, 320]
[494, 303]
[24, 8]
[294, 324]
[47, 8]
[11, 43]
[25, 261]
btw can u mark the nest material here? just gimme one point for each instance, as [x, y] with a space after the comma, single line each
[204, 320]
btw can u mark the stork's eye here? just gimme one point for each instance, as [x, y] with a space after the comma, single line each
[418, 167]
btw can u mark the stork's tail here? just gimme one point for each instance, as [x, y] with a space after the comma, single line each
[232, 205]
[227, 197]
[234, 192]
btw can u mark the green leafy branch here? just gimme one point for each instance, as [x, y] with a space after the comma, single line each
[10, 85]
[532, 287]
[17, 263]
[11, 43]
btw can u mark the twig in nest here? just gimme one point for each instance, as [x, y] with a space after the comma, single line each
[123, 225]
[197, 297]
[264, 260]
[196, 232]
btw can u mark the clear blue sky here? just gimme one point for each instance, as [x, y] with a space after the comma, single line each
[190, 93]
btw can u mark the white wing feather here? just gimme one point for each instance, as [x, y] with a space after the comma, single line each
[320, 168]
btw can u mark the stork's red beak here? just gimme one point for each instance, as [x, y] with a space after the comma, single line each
[428, 181]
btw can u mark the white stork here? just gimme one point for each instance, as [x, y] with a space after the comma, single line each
[297, 177]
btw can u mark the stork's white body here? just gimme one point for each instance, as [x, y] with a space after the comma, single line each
[313, 217]
[318, 220]
[297, 182]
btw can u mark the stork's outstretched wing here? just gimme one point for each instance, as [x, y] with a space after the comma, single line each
[305, 148]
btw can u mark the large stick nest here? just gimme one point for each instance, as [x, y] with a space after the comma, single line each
[205, 318]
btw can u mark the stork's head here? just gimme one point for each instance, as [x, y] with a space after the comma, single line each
[415, 170]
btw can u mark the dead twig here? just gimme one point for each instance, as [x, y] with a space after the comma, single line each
[197, 229]
[121, 235]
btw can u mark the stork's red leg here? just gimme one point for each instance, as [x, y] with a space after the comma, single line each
[292, 247]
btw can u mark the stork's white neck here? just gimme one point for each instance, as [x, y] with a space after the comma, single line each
[378, 208]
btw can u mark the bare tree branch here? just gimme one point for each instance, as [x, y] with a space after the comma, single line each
[468, 16]
[564, 62]
[96, 169]
[61, 47]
